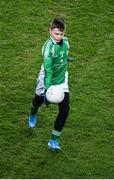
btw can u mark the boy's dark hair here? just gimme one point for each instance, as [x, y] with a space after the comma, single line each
[58, 23]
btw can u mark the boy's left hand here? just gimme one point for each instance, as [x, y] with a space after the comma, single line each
[69, 59]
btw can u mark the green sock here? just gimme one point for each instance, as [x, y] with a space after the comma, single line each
[55, 134]
[54, 137]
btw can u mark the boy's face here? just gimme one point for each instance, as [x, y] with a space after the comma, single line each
[56, 34]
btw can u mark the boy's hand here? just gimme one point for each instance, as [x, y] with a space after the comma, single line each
[69, 59]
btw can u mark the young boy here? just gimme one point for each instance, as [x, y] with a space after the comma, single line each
[53, 72]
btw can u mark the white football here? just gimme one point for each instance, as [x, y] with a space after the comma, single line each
[55, 94]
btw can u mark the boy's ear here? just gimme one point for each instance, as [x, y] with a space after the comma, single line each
[49, 30]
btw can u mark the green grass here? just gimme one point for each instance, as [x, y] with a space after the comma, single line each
[88, 136]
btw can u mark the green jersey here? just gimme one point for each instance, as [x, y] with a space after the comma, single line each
[55, 61]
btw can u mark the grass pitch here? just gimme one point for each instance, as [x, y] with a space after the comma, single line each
[88, 137]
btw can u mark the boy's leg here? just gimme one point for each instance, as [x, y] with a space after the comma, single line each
[63, 113]
[36, 103]
[38, 99]
[60, 122]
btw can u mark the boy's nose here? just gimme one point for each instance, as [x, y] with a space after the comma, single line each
[59, 36]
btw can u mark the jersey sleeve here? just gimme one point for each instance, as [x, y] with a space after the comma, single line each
[47, 63]
[67, 42]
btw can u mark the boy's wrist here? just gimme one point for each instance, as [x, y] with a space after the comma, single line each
[69, 58]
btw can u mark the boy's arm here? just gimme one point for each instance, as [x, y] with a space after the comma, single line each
[69, 58]
[47, 62]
